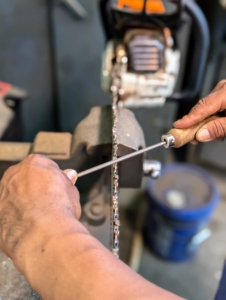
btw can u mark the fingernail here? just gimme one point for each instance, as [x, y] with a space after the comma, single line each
[203, 135]
[72, 175]
[194, 143]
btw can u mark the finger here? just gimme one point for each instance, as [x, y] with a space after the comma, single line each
[213, 103]
[9, 173]
[72, 175]
[214, 130]
[194, 142]
[219, 86]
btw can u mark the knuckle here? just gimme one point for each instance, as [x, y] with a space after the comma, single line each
[203, 102]
[200, 105]
[40, 159]
[33, 157]
[219, 129]
[9, 172]
[222, 83]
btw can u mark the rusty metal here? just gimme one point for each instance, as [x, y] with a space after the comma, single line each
[115, 222]
[88, 146]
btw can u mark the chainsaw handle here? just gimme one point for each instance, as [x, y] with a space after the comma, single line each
[196, 65]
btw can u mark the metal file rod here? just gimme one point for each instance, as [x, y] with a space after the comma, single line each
[174, 138]
[112, 162]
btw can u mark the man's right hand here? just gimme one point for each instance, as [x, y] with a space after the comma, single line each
[206, 107]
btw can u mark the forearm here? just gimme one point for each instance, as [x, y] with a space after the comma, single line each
[76, 266]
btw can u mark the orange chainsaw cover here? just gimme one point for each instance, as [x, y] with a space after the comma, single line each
[152, 6]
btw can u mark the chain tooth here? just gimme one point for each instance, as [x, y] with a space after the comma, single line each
[116, 214]
[115, 252]
[116, 245]
[116, 233]
[117, 223]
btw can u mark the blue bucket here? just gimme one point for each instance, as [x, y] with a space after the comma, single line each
[181, 203]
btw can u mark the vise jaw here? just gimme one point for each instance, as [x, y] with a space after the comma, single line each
[89, 145]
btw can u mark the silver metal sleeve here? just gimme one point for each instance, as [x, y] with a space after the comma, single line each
[169, 140]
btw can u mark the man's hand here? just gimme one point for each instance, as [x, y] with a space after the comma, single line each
[37, 200]
[40, 231]
[212, 104]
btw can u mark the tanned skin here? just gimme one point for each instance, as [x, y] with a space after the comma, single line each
[211, 105]
[40, 229]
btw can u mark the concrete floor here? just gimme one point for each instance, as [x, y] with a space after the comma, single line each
[197, 279]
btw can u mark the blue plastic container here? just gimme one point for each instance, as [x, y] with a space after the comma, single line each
[181, 203]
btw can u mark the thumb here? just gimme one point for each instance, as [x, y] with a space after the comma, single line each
[72, 175]
[214, 130]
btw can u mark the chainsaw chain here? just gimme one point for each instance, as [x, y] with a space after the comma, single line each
[114, 172]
